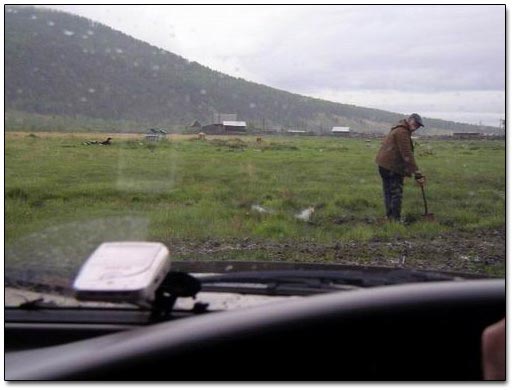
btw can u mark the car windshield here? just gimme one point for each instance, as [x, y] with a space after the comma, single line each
[323, 136]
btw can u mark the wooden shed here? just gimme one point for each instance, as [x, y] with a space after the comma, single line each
[225, 127]
[234, 126]
[341, 131]
[155, 135]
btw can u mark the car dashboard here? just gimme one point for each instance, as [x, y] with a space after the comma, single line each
[417, 331]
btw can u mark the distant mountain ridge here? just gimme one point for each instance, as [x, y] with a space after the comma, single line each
[60, 64]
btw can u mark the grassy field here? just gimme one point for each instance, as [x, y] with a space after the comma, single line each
[194, 191]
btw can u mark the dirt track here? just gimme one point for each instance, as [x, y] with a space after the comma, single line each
[476, 252]
[480, 253]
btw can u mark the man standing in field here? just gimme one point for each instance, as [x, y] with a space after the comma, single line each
[395, 161]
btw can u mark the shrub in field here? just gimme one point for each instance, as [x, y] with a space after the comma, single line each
[276, 146]
[17, 193]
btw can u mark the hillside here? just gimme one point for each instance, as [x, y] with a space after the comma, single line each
[57, 64]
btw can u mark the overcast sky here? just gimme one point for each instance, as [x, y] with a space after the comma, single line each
[440, 61]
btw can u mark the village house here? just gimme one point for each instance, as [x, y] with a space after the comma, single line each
[341, 131]
[155, 135]
[226, 127]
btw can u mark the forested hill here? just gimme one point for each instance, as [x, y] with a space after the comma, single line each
[60, 64]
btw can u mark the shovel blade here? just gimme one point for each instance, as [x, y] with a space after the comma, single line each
[429, 217]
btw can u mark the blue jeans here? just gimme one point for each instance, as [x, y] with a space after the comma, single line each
[393, 192]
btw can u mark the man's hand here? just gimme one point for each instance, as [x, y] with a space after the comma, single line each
[420, 178]
[493, 350]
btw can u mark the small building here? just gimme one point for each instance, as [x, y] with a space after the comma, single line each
[234, 126]
[341, 131]
[467, 135]
[225, 127]
[296, 132]
[155, 135]
[214, 128]
[195, 125]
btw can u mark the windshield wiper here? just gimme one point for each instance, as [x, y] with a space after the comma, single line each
[278, 283]
[301, 282]
[37, 304]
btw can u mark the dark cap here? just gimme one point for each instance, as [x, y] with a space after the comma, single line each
[417, 118]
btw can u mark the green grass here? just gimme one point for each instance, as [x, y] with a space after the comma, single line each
[197, 190]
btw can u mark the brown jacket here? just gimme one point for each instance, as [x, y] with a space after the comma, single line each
[396, 152]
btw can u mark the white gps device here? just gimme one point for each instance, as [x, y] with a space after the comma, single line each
[123, 272]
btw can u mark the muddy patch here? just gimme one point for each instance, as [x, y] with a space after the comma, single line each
[480, 252]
